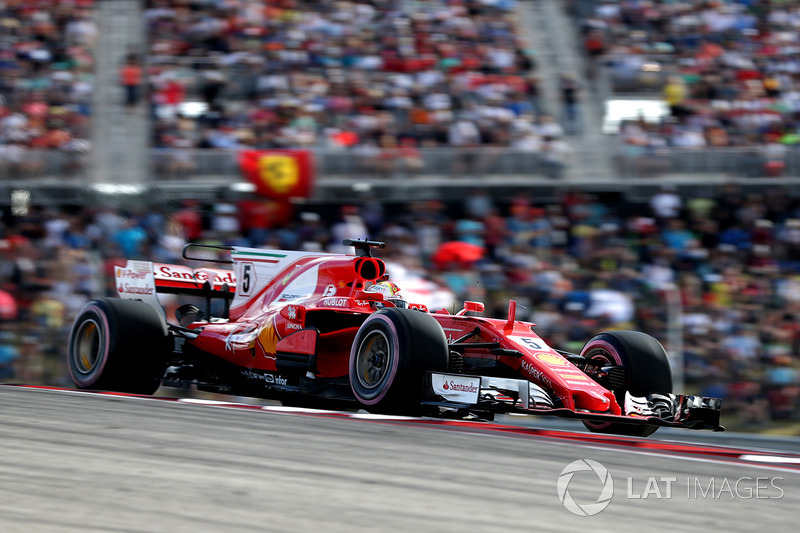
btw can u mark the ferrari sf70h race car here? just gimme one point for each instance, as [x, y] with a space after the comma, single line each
[329, 330]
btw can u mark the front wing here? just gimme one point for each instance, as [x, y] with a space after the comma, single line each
[461, 395]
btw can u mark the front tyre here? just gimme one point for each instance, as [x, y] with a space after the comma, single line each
[391, 353]
[118, 345]
[647, 371]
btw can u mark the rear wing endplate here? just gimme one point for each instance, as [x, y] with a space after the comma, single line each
[143, 280]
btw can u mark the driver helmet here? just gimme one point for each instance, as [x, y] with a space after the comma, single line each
[390, 291]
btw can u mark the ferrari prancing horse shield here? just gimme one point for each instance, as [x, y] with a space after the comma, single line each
[279, 172]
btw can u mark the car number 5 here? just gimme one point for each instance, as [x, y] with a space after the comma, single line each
[247, 278]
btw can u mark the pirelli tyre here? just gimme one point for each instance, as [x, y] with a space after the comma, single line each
[118, 345]
[391, 353]
[647, 370]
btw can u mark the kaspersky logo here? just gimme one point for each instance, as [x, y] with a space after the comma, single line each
[604, 484]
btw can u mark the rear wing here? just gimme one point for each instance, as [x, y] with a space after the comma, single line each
[144, 280]
[181, 279]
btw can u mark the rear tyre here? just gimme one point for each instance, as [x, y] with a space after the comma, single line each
[118, 345]
[647, 371]
[391, 353]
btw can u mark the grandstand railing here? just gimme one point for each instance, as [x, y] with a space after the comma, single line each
[741, 162]
[629, 162]
[180, 163]
[328, 162]
[495, 161]
[18, 163]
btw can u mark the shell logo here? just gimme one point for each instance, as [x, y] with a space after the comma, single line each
[551, 359]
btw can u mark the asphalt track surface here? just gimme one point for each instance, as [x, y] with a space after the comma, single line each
[85, 462]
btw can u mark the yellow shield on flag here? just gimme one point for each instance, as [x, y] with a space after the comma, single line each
[279, 172]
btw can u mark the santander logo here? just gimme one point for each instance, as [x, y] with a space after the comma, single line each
[460, 387]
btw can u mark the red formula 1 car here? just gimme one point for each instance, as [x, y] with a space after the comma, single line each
[326, 330]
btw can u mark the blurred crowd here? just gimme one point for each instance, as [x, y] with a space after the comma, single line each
[380, 76]
[368, 75]
[728, 70]
[729, 261]
[46, 82]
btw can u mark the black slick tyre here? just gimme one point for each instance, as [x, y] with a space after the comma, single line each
[118, 345]
[391, 353]
[647, 371]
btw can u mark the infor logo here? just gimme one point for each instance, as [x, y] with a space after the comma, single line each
[606, 491]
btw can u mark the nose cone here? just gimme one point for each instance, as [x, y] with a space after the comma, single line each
[595, 400]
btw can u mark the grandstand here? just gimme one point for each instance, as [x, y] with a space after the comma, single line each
[236, 79]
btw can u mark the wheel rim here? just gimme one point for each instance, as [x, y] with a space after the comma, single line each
[600, 354]
[606, 357]
[373, 361]
[87, 347]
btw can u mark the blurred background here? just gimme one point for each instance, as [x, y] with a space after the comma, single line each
[609, 165]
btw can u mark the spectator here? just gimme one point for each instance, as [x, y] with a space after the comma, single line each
[555, 156]
[568, 86]
[675, 96]
[131, 80]
[131, 239]
[666, 204]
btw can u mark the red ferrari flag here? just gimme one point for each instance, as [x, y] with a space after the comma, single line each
[279, 173]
